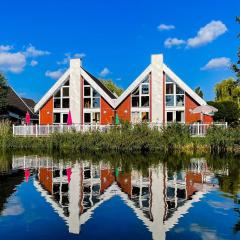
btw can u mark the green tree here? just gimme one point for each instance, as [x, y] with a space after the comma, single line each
[199, 92]
[228, 111]
[236, 66]
[228, 90]
[3, 94]
[112, 86]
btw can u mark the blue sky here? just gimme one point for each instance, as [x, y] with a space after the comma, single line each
[116, 39]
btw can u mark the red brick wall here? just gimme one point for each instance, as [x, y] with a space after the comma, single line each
[46, 113]
[124, 110]
[107, 112]
[190, 117]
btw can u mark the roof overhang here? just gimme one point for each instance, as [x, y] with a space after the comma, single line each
[52, 90]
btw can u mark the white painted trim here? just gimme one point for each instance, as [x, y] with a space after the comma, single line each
[97, 88]
[136, 82]
[183, 85]
[52, 90]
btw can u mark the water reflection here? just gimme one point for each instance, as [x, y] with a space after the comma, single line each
[158, 196]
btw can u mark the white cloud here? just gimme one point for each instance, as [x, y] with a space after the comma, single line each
[104, 72]
[165, 27]
[79, 55]
[12, 62]
[31, 51]
[34, 63]
[217, 63]
[207, 34]
[204, 232]
[68, 56]
[54, 74]
[5, 48]
[169, 42]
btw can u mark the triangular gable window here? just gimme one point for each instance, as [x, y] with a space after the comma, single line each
[140, 96]
[174, 94]
[91, 96]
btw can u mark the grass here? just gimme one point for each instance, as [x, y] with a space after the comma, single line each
[140, 139]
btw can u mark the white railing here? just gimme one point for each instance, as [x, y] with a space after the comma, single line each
[196, 129]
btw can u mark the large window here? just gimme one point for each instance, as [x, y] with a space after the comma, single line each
[174, 94]
[140, 116]
[60, 118]
[175, 116]
[91, 96]
[92, 117]
[61, 97]
[140, 96]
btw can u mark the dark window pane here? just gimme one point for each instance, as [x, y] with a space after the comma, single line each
[146, 80]
[179, 116]
[87, 91]
[145, 101]
[135, 101]
[96, 102]
[58, 94]
[67, 83]
[57, 103]
[170, 100]
[65, 92]
[145, 89]
[87, 102]
[56, 117]
[87, 117]
[136, 92]
[65, 103]
[168, 79]
[95, 93]
[180, 100]
[65, 116]
[169, 116]
[86, 83]
[169, 88]
[145, 116]
[179, 90]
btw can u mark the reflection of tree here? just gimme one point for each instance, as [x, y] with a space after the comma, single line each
[230, 184]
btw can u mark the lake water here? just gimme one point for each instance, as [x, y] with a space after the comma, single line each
[176, 198]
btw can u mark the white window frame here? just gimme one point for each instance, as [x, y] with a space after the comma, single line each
[91, 96]
[61, 97]
[139, 87]
[174, 94]
[174, 115]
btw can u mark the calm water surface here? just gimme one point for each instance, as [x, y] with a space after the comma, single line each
[42, 198]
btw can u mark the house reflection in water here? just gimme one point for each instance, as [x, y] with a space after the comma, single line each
[159, 198]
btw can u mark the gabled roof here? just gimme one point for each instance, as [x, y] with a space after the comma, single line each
[93, 81]
[14, 101]
[109, 96]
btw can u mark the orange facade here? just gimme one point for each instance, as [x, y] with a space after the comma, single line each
[46, 113]
[45, 178]
[190, 104]
[107, 112]
[124, 110]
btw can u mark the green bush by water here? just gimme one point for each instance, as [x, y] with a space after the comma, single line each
[172, 138]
